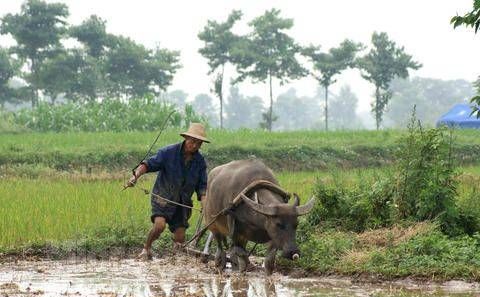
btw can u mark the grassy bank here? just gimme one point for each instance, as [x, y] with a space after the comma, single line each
[417, 250]
[309, 150]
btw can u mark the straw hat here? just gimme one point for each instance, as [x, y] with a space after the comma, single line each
[196, 130]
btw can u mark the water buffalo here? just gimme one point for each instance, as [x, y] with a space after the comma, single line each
[263, 216]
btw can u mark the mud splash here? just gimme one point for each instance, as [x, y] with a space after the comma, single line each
[185, 276]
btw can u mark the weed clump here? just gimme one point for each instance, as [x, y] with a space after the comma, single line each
[422, 186]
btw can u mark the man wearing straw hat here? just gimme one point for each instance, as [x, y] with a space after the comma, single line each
[181, 171]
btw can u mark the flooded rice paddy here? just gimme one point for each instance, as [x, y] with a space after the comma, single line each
[182, 275]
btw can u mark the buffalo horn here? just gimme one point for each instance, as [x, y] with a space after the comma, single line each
[260, 208]
[306, 208]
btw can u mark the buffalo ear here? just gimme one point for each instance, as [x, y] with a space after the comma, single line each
[306, 208]
[296, 201]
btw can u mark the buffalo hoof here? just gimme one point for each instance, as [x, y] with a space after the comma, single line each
[242, 264]
[234, 262]
[269, 266]
[220, 260]
[269, 270]
[240, 255]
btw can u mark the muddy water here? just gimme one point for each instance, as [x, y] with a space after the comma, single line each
[186, 276]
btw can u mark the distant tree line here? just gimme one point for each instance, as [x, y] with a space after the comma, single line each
[103, 65]
[268, 52]
[431, 97]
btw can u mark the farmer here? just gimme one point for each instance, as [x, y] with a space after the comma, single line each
[181, 171]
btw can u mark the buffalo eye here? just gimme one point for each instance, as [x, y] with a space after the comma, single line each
[281, 226]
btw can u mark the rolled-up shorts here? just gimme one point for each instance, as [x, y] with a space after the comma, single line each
[175, 216]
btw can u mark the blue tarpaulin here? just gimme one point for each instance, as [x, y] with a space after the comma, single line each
[459, 117]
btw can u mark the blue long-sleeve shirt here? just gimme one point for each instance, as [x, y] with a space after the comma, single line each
[176, 180]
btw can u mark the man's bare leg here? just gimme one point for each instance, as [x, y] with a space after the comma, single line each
[157, 229]
[179, 235]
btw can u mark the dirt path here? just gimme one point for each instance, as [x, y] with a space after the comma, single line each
[181, 275]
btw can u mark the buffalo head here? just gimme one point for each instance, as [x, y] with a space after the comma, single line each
[281, 223]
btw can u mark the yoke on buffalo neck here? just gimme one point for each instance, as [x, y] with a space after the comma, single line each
[265, 184]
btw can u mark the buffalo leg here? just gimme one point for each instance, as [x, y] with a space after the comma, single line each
[270, 259]
[241, 254]
[206, 249]
[220, 255]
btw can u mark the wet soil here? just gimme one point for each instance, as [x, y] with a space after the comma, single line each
[183, 275]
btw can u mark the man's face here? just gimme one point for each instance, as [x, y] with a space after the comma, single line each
[192, 144]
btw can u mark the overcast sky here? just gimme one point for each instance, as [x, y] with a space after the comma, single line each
[421, 26]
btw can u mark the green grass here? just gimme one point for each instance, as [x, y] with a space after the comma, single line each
[63, 207]
[297, 151]
[83, 141]
[46, 209]
[36, 211]
[417, 250]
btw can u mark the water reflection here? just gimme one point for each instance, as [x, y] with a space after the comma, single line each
[184, 277]
[215, 286]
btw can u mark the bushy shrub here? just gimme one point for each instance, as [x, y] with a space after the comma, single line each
[359, 207]
[423, 187]
[468, 208]
[426, 180]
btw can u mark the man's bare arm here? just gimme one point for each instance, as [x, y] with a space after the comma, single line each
[139, 171]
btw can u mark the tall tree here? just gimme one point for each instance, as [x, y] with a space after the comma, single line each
[471, 19]
[270, 53]
[37, 30]
[162, 66]
[72, 73]
[219, 40]
[126, 65]
[92, 34]
[134, 71]
[380, 66]
[57, 75]
[92, 78]
[7, 71]
[327, 65]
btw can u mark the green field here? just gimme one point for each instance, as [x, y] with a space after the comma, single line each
[62, 192]
[86, 142]
[37, 211]
[63, 207]
[293, 151]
